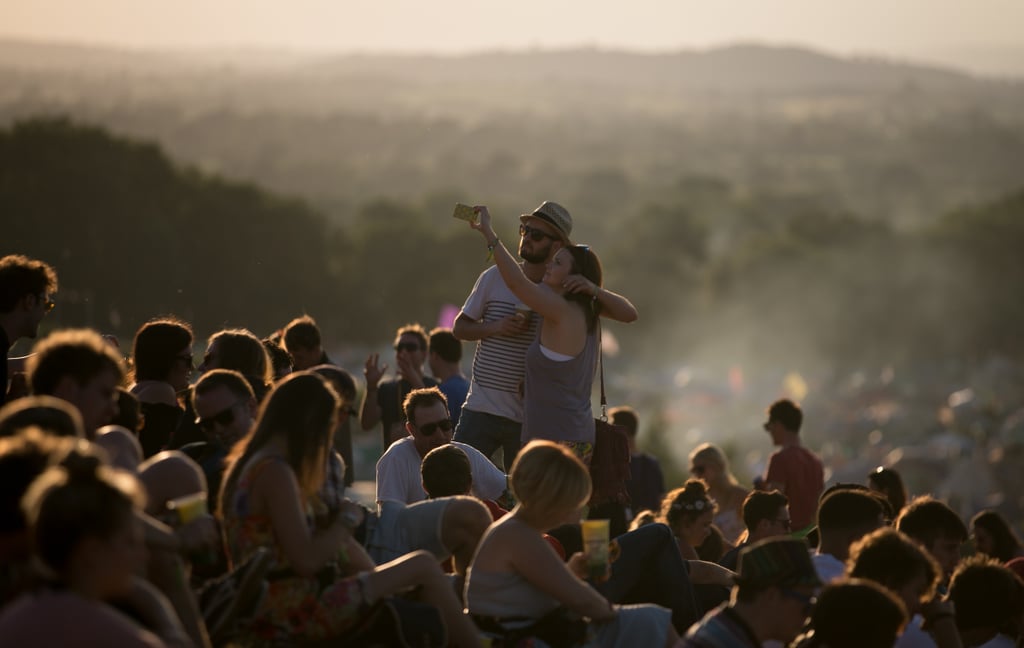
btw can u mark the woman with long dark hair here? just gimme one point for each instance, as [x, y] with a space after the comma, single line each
[323, 583]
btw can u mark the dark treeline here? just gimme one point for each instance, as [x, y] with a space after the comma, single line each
[719, 275]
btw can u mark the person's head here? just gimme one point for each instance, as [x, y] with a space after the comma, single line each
[689, 511]
[897, 562]
[122, 447]
[889, 483]
[162, 351]
[51, 414]
[445, 349]
[299, 412]
[241, 351]
[78, 366]
[83, 524]
[784, 419]
[776, 577]
[23, 457]
[643, 518]
[27, 288]
[847, 515]
[857, 614]
[302, 341]
[766, 514]
[411, 343]
[937, 527]
[280, 361]
[987, 597]
[225, 406]
[427, 420]
[575, 260]
[713, 547]
[344, 384]
[446, 471]
[626, 417]
[709, 464]
[544, 231]
[993, 536]
[549, 482]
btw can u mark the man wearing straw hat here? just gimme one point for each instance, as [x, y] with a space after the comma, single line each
[503, 328]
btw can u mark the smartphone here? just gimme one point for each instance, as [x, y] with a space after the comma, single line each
[464, 212]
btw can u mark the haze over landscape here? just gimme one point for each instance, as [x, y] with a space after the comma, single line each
[800, 197]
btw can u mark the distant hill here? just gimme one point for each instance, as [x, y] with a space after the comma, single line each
[731, 68]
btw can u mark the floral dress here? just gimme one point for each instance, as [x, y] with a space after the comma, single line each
[295, 607]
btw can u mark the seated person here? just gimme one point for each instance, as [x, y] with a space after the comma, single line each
[517, 579]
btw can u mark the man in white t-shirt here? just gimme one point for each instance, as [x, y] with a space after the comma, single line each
[407, 521]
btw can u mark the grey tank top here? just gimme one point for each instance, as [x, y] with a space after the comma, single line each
[556, 405]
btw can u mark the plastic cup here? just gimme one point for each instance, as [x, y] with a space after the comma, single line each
[595, 545]
[189, 507]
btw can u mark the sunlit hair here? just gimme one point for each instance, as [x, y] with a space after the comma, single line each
[894, 560]
[23, 457]
[79, 353]
[420, 398]
[586, 263]
[20, 277]
[686, 504]
[643, 518]
[241, 351]
[413, 329]
[762, 505]
[341, 380]
[879, 619]
[986, 594]
[548, 478]
[233, 381]
[156, 347]
[1006, 544]
[709, 452]
[79, 499]
[53, 415]
[928, 520]
[301, 409]
[889, 482]
[301, 333]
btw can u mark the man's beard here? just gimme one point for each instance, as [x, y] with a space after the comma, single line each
[535, 257]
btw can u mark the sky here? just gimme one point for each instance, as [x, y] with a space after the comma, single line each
[970, 33]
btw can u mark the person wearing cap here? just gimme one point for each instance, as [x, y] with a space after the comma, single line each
[772, 598]
[561, 360]
[493, 412]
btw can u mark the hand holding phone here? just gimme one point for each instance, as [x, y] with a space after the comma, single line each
[464, 212]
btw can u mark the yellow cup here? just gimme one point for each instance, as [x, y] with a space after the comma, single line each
[189, 507]
[595, 546]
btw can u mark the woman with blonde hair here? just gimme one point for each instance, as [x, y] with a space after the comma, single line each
[709, 464]
[517, 579]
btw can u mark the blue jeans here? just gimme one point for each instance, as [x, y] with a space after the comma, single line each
[487, 433]
[650, 569]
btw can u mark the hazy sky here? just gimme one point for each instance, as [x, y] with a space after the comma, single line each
[936, 29]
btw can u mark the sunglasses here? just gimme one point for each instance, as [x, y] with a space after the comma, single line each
[187, 359]
[767, 426]
[535, 234]
[407, 346]
[222, 418]
[698, 470]
[428, 429]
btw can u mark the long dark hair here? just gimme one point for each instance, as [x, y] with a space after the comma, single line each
[586, 263]
[1005, 542]
[156, 347]
[302, 409]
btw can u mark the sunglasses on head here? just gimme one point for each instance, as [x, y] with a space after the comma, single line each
[223, 418]
[534, 234]
[428, 429]
[407, 346]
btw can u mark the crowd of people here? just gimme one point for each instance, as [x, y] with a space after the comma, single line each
[144, 505]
